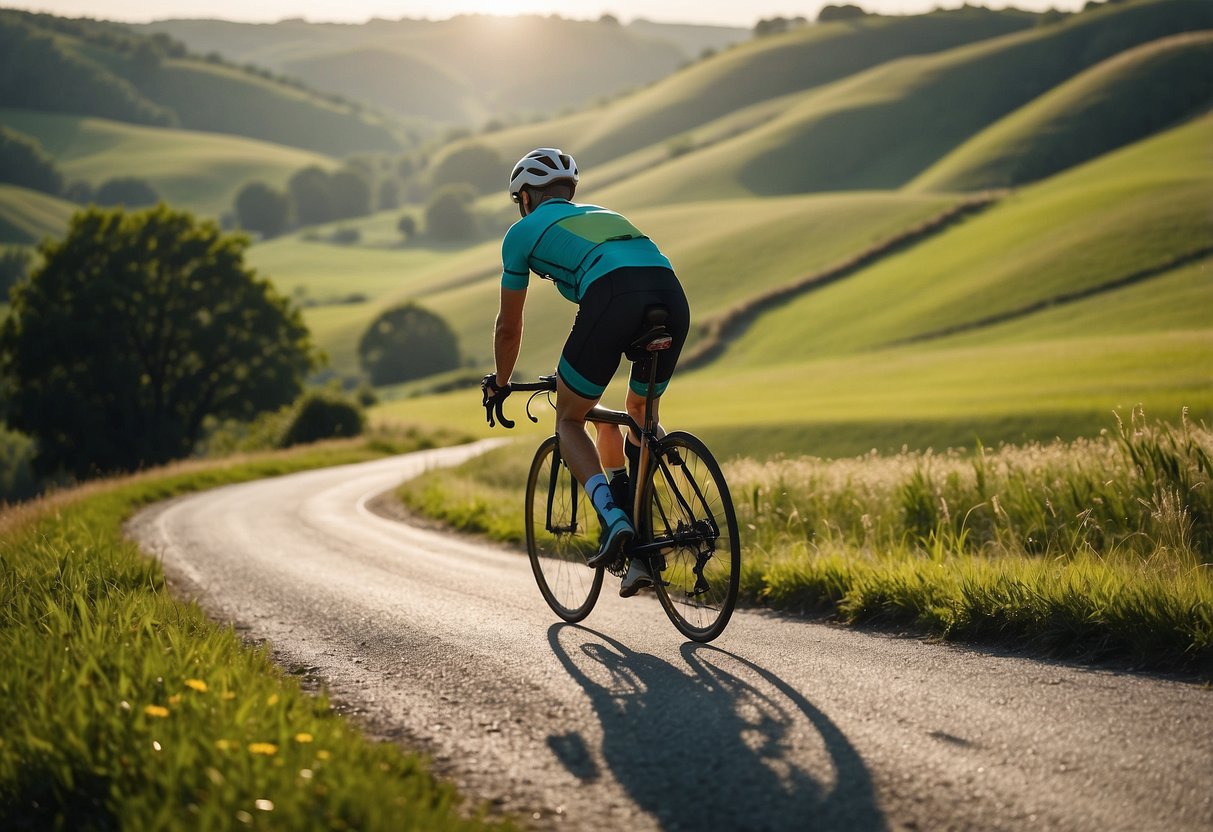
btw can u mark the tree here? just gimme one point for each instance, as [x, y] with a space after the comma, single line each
[407, 342]
[407, 226]
[476, 164]
[388, 198]
[448, 216]
[126, 190]
[349, 194]
[134, 329]
[845, 11]
[23, 162]
[309, 190]
[262, 208]
[14, 267]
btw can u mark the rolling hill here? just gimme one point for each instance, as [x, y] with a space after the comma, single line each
[83, 67]
[1125, 98]
[190, 169]
[840, 136]
[27, 216]
[748, 74]
[579, 61]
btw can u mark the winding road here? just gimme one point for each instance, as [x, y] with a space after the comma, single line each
[445, 644]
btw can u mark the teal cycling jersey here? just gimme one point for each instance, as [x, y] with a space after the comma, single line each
[573, 245]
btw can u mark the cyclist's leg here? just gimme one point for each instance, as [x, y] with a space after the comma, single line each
[576, 448]
[609, 439]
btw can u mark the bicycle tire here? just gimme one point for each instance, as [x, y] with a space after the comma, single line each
[685, 494]
[558, 548]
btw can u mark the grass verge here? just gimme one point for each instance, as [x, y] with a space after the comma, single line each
[1097, 548]
[123, 707]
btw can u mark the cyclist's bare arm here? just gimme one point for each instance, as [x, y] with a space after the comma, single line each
[507, 334]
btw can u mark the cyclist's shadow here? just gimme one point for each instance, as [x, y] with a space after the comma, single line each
[720, 744]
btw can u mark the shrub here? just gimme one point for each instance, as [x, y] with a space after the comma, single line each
[406, 225]
[321, 414]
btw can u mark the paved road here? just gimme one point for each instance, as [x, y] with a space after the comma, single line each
[780, 724]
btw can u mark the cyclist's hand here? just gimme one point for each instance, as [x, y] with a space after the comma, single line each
[492, 397]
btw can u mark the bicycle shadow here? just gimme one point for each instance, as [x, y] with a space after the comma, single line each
[720, 744]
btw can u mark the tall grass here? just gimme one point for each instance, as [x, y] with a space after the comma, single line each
[1099, 547]
[123, 707]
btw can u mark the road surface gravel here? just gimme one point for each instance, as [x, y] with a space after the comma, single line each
[445, 644]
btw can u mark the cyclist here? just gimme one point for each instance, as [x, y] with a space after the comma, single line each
[613, 272]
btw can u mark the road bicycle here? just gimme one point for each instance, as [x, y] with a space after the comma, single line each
[686, 529]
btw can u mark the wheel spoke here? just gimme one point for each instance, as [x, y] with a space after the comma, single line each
[688, 504]
[562, 532]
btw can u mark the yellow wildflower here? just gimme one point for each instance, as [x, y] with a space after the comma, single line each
[322, 755]
[266, 748]
[224, 745]
[175, 699]
[156, 710]
[196, 684]
[303, 736]
[228, 696]
[273, 700]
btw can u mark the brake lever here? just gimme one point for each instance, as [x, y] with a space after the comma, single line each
[498, 402]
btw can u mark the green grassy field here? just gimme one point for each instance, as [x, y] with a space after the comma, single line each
[125, 707]
[196, 170]
[725, 252]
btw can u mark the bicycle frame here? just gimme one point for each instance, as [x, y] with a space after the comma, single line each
[648, 439]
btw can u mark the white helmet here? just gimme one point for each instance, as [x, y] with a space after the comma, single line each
[540, 167]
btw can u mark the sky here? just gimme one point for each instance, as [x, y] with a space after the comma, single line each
[357, 11]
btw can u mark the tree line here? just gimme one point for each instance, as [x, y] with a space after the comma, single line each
[366, 184]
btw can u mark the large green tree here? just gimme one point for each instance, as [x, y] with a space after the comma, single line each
[133, 330]
[405, 343]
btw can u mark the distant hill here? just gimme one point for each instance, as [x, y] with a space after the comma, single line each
[473, 58]
[1125, 98]
[751, 73]
[91, 68]
[394, 80]
[883, 127]
[191, 169]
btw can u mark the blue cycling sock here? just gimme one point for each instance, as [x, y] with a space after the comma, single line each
[600, 494]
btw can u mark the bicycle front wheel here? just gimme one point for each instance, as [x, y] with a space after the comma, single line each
[687, 504]
[561, 533]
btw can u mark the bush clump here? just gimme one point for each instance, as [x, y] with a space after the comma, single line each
[321, 415]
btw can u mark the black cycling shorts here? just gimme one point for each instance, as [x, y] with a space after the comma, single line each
[610, 317]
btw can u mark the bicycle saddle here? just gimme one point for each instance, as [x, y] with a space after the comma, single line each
[654, 335]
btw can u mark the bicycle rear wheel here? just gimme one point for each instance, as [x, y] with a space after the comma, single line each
[561, 532]
[686, 501]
